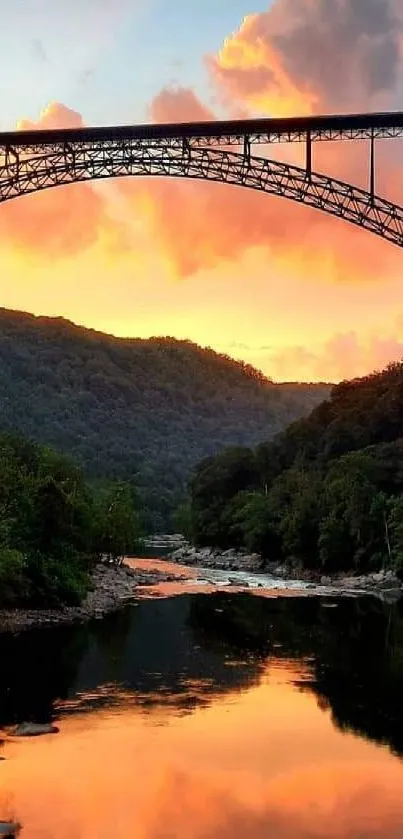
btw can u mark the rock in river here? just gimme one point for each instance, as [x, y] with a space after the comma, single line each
[32, 729]
[9, 828]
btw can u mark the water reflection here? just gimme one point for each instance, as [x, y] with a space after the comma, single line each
[145, 655]
[355, 651]
[185, 652]
[210, 717]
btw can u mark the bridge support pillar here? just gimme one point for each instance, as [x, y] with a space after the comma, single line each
[246, 150]
[308, 166]
[12, 157]
[372, 169]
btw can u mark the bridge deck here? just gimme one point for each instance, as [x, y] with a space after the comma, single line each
[228, 132]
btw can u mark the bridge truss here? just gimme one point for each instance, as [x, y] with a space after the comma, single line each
[36, 160]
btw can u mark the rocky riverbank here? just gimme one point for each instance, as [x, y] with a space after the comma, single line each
[230, 560]
[115, 587]
[385, 583]
[112, 588]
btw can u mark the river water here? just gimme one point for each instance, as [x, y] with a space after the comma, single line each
[209, 716]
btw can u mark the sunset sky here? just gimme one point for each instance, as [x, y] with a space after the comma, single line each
[291, 290]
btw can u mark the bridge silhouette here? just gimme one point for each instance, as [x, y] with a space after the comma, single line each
[35, 160]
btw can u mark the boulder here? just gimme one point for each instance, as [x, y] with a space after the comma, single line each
[238, 583]
[392, 595]
[201, 554]
[179, 553]
[379, 577]
[33, 729]
[9, 828]
[250, 562]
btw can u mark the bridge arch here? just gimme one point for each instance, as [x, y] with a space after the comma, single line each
[28, 172]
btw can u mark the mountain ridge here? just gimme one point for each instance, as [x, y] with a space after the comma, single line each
[49, 320]
[144, 408]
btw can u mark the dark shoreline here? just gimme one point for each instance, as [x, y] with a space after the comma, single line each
[112, 589]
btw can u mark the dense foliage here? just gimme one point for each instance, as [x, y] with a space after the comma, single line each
[142, 410]
[327, 492]
[53, 528]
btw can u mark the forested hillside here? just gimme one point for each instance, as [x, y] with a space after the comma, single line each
[147, 410]
[327, 492]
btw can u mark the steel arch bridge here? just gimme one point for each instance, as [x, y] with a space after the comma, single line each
[31, 161]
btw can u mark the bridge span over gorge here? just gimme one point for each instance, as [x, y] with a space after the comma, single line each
[218, 151]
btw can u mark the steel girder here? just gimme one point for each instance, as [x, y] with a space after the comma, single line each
[372, 126]
[22, 172]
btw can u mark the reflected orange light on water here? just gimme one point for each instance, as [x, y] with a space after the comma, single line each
[265, 763]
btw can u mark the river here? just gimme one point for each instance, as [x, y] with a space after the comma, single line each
[209, 716]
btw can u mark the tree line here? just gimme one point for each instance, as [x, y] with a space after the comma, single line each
[54, 526]
[327, 493]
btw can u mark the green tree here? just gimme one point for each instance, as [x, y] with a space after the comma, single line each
[249, 518]
[117, 530]
[15, 585]
[51, 526]
[395, 524]
[183, 521]
[295, 497]
[352, 531]
[216, 482]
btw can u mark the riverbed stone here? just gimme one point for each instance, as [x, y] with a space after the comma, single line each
[32, 729]
[9, 828]
[391, 595]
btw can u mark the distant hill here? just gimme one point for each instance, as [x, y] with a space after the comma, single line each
[132, 407]
[359, 413]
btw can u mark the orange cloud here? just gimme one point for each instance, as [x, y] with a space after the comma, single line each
[343, 356]
[57, 222]
[178, 104]
[55, 115]
[314, 56]
[250, 71]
